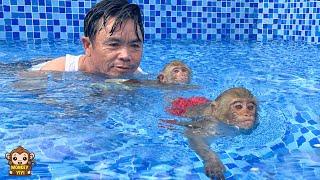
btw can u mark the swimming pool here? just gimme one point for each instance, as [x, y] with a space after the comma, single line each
[76, 130]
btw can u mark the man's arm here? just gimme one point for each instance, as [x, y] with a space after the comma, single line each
[57, 64]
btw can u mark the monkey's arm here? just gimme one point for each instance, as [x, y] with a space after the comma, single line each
[194, 124]
[213, 166]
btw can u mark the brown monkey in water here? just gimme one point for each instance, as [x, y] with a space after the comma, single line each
[174, 73]
[236, 107]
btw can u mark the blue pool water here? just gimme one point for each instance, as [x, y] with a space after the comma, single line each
[79, 131]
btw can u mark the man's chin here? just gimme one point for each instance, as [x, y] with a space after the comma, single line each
[123, 74]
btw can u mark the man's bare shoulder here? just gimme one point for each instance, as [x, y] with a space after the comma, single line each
[57, 64]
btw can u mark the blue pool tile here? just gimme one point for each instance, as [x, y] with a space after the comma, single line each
[316, 132]
[288, 139]
[280, 148]
[231, 165]
[268, 155]
[256, 20]
[251, 158]
[301, 140]
[295, 128]
[304, 130]
[246, 168]
[312, 122]
[192, 176]
[314, 141]
[237, 157]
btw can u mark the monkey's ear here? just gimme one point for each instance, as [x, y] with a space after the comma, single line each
[8, 156]
[160, 78]
[32, 155]
[214, 106]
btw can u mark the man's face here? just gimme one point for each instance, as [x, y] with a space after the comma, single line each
[119, 54]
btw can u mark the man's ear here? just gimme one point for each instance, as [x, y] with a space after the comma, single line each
[87, 45]
[160, 78]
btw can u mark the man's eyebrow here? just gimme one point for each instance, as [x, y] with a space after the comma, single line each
[115, 39]
[135, 41]
[112, 39]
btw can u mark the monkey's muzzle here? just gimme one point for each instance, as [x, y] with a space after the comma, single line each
[246, 123]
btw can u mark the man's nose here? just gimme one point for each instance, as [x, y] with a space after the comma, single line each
[124, 54]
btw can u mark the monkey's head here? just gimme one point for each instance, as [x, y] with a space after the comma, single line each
[176, 72]
[20, 156]
[236, 106]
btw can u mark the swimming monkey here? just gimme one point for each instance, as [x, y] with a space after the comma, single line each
[175, 72]
[236, 107]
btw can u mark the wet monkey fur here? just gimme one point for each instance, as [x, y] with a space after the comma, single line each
[235, 107]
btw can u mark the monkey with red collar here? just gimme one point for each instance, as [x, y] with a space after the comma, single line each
[235, 107]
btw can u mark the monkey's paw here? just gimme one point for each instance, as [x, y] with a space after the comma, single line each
[215, 170]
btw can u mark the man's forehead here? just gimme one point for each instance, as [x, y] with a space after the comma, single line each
[126, 25]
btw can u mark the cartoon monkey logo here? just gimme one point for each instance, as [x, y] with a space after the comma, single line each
[20, 161]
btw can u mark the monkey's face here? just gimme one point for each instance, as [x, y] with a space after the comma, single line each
[20, 159]
[242, 113]
[179, 74]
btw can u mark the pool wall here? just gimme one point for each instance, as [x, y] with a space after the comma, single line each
[261, 20]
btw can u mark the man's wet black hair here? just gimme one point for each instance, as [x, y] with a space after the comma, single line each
[121, 10]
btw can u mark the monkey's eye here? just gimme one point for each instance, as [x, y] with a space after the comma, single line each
[238, 106]
[176, 70]
[15, 158]
[250, 106]
[24, 158]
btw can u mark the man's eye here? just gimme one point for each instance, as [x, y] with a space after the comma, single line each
[114, 44]
[136, 46]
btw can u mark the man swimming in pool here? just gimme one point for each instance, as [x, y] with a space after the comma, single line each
[113, 42]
